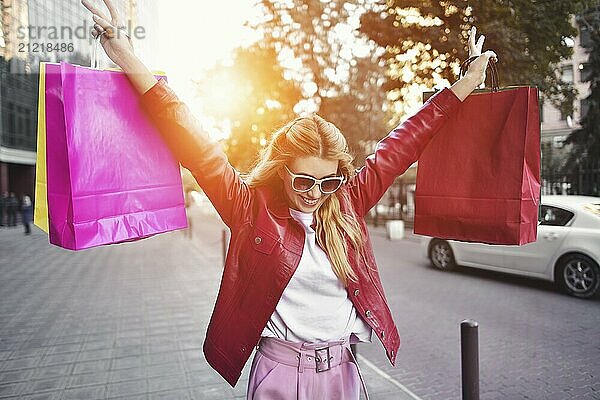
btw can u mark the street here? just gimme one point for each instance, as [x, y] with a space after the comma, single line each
[124, 321]
[128, 321]
[534, 342]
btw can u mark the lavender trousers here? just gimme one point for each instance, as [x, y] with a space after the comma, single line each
[283, 370]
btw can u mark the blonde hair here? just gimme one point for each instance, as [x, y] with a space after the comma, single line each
[314, 136]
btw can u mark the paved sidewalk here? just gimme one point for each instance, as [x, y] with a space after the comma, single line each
[122, 321]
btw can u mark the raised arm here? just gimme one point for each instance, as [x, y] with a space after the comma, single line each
[182, 133]
[118, 47]
[399, 150]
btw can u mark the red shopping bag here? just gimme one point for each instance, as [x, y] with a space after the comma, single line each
[478, 180]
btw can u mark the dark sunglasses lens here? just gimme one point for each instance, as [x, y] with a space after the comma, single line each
[330, 185]
[303, 184]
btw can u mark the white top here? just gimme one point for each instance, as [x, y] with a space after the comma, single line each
[315, 305]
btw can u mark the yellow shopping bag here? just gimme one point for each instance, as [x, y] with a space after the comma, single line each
[40, 216]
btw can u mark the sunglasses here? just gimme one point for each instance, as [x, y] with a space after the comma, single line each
[304, 183]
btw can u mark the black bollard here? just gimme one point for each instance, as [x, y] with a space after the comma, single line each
[469, 348]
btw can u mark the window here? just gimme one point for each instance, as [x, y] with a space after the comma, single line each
[584, 106]
[554, 216]
[584, 72]
[558, 141]
[12, 124]
[567, 73]
[585, 37]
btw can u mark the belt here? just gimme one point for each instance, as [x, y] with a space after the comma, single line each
[314, 356]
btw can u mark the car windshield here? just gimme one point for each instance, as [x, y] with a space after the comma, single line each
[592, 208]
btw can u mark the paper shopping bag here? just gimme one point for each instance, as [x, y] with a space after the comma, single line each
[478, 180]
[110, 177]
[40, 212]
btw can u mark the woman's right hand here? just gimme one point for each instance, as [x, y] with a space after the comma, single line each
[114, 41]
[118, 47]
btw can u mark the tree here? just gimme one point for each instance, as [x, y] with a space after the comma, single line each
[250, 97]
[341, 77]
[586, 140]
[310, 58]
[425, 41]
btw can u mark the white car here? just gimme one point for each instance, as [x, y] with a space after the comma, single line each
[567, 250]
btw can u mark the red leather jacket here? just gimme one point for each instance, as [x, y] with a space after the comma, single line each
[266, 242]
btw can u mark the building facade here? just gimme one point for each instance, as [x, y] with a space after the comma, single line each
[556, 125]
[32, 31]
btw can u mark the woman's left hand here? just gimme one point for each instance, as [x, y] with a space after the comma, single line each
[476, 70]
[475, 75]
[475, 48]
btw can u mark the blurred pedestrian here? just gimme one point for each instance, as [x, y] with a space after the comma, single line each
[27, 213]
[300, 281]
[189, 201]
[12, 207]
[3, 204]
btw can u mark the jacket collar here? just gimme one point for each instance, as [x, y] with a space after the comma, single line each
[277, 203]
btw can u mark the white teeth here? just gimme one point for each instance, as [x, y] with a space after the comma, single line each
[311, 202]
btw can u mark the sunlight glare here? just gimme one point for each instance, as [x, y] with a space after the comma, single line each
[194, 36]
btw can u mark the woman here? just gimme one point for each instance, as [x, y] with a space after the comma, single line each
[27, 213]
[300, 281]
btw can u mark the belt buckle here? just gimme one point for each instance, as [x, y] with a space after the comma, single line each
[322, 359]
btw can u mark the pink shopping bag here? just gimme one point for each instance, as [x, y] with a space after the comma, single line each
[110, 177]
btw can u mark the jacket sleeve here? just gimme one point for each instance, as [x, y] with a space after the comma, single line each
[399, 150]
[196, 151]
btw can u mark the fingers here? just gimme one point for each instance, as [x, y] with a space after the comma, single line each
[475, 48]
[489, 54]
[113, 12]
[93, 9]
[479, 45]
[472, 34]
[97, 30]
[104, 24]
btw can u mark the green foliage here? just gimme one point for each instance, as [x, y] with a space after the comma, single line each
[322, 38]
[338, 59]
[314, 48]
[429, 38]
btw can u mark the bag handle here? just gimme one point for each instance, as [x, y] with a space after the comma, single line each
[94, 59]
[491, 66]
[94, 62]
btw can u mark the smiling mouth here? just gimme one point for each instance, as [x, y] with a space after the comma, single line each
[310, 202]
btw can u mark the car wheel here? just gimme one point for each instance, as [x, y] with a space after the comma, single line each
[441, 255]
[579, 276]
